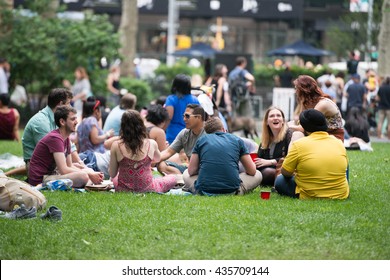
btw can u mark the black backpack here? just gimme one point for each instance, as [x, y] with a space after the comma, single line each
[238, 88]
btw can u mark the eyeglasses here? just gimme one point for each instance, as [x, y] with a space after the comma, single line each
[97, 104]
[187, 116]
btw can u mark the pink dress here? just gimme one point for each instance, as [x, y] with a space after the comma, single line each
[136, 176]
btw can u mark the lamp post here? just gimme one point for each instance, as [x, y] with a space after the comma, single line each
[369, 31]
[172, 20]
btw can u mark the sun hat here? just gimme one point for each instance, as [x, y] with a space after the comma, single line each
[313, 120]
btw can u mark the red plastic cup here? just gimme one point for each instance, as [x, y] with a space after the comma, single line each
[254, 156]
[265, 195]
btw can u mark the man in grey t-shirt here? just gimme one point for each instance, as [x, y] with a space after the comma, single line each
[194, 117]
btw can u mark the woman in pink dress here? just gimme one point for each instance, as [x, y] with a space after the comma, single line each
[132, 156]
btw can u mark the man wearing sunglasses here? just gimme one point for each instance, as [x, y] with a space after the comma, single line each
[194, 117]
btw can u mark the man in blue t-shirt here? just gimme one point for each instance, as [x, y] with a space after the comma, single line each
[356, 94]
[213, 167]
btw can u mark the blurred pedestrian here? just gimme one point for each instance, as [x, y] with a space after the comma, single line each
[113, 85]
[221, 94]
[9, 120]
[81, 89]
[352, 64]
[241, 85]
[383, 98]
[4, 75]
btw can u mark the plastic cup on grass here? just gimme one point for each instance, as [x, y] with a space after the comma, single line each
[265, 195]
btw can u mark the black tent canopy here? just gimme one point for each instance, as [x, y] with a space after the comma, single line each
[199, 50]
[298, 48]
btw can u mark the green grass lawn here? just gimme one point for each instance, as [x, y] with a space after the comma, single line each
[105, 226]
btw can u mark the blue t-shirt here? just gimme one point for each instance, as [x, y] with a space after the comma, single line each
[113, 120]
[219, 154]
[356, 92]
[179, 107]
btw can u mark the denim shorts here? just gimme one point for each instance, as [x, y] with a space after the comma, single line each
[181, 168]
[89, 159]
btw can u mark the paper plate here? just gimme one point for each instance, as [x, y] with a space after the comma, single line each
[99, 188]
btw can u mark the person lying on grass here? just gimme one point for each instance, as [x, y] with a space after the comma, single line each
[51, 159]
[315, 165]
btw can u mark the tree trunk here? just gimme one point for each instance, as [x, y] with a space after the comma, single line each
[51, 10]
[7, 5]
[128, 36]
[384, 42]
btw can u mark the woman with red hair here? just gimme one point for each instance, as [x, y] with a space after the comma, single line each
[310, 96]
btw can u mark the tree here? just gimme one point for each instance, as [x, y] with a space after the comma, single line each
[384, 41]
[128, 34]
[6, 7]
[350, 32]
[43, 49]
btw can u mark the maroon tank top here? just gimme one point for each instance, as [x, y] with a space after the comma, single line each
[7, 122]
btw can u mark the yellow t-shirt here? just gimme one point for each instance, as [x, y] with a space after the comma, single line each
[320, 162]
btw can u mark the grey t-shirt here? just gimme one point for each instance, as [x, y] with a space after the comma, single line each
[186, 140]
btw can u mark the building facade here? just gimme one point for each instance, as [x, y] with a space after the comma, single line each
[236, 26]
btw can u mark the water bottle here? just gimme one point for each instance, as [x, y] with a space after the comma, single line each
[18, 200]
[60, 184]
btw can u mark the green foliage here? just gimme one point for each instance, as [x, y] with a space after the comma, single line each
[265, 73]
[39, 7]
[139, 88]
[100, 226]
[44, 51]
[343, 38]
[165, 75]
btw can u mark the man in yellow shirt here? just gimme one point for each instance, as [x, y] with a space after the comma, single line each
[315, 165]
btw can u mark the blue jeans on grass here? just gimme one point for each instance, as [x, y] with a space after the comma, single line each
[286, 186]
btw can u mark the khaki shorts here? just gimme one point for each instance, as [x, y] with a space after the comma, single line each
[383, 114]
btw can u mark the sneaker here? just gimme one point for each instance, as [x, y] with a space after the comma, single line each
[22, 213]
[53, 213]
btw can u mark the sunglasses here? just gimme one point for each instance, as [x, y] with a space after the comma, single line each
[187, 116]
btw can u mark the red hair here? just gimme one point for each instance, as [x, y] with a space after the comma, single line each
[308, 92]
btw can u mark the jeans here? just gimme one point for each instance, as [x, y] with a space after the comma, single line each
[181, 168]
[89, 159]
[286, 186]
